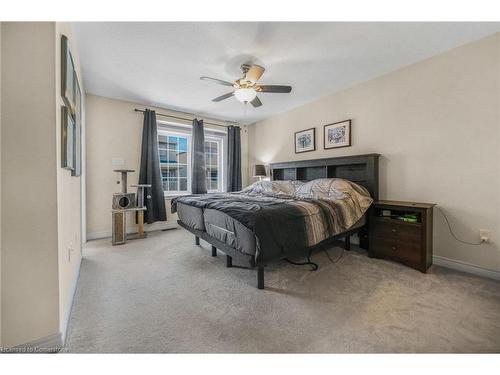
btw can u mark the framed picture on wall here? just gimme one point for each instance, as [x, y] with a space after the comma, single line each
[67, 75]
[77, 137]
[305, 140]
[67, 138]
[337, 134]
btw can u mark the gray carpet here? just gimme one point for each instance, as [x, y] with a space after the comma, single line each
[164, 294]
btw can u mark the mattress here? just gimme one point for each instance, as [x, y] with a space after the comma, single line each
[230, 231]
[191, 216]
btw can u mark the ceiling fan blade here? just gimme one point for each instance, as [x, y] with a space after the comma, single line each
[274, 88]
[222, 97]
[254, 73]
[219, 81]
[256, 102]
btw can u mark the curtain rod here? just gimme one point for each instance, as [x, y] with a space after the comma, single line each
[181, 118]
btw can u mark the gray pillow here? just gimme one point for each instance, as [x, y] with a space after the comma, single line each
[273, 188]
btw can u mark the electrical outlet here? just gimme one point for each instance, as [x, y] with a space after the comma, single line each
[484, 235]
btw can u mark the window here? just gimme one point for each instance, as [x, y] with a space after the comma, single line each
[174, 147]
[173, 150]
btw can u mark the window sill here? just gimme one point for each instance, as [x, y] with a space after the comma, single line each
[176, 195]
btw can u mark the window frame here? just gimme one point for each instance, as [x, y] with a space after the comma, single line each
[165, 128]
[219, 140]
[165, 132]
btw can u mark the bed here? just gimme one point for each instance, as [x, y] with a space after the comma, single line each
[306, 204]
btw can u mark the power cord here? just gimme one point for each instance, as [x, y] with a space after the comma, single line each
[314, 266]
[338, 258]
[451, 231]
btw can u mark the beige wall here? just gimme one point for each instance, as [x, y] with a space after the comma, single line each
[0, 185]
[436, 125]
[30, 286]
[68, 193]
[114, 130]
[40, 200]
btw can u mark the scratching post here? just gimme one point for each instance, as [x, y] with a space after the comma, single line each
[140, 224]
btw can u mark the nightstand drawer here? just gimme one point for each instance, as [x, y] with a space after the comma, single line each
[391, 229]
[406, 252]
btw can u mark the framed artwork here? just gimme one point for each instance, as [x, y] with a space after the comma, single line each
[77, 138]
[305, 140]
[67, 138]
[67, 75]
[337, 134]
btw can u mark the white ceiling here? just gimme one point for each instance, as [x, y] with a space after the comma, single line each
[160, 63]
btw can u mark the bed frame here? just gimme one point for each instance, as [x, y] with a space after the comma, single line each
[361, 169]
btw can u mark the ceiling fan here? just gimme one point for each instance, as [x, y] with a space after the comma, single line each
[247, 87]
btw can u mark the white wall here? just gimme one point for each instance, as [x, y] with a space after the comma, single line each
[114, 130]
[436, 125]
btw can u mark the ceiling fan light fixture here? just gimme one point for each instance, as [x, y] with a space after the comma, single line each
[245, 95]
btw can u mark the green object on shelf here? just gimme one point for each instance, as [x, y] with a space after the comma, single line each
[409, 218]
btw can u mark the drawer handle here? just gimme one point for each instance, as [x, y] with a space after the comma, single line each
[394, 230]
[394, 248]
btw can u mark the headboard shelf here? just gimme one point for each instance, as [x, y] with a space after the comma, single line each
[361, 169]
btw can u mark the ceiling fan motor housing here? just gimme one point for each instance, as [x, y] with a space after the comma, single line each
[245, 68]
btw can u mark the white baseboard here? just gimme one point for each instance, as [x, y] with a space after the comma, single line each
[132, 230]
[65, 319]
[465, 267]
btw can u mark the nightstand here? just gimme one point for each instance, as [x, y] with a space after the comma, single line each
[402, 232]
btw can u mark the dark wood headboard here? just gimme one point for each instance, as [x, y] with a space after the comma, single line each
[361, 169]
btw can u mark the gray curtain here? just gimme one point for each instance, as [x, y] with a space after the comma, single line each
[150, 170]
[233, 159]
[198, 170]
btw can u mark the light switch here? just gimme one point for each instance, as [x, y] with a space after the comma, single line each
[118, 162]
